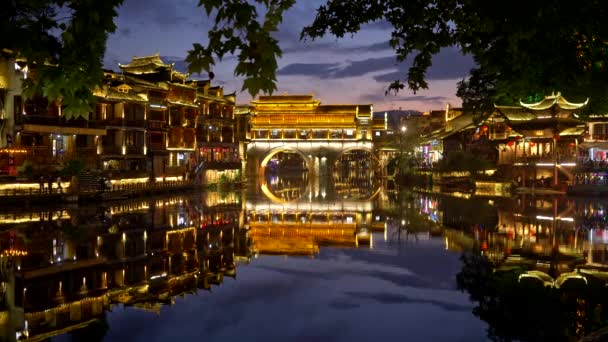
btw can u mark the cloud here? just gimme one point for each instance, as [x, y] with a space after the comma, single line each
[448, 64]
[125, 32]
[394, 298]
[308, 69]
[164, 13]
[333, 70]
[335, 47]
[381, 97]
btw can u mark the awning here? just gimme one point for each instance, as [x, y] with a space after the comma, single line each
[573, 131]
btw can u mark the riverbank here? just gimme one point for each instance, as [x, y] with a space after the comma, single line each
[116, 192]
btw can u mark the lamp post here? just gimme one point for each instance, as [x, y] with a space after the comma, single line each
[401, 148]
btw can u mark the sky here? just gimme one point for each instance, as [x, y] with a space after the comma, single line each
[354, 70]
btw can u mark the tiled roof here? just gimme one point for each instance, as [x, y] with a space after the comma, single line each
[551, 100]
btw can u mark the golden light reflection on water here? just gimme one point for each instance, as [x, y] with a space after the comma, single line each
[151, 250]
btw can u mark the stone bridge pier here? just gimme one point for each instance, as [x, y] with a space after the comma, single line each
[319, 156]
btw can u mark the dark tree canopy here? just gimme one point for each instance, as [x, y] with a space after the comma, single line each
[63, 43]
[523, 49]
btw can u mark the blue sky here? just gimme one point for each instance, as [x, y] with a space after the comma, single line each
[350, 70]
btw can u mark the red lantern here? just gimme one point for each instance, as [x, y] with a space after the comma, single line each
[556, 137]
[572, 144]
[518, 138]
[511, 143]
[532, 144]
[484, 128]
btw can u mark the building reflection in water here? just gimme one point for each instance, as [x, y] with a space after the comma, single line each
[62, 269]
[61, 273]
[296, 215]
[535, 266]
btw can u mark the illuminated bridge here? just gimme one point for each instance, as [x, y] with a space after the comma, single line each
[320, 134]
[303, 225]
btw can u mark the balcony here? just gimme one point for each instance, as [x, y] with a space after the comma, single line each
[48, 120]
[183, 144]
[127, 123]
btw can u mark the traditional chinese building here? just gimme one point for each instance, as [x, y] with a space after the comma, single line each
[539, 140]
[218, 148]
[300, 124]
[34, 133]
[150, 121]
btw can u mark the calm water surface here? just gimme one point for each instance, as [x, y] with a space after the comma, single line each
[336, 258]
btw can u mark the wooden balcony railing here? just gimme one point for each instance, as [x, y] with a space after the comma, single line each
[127, 123]
[48, 120]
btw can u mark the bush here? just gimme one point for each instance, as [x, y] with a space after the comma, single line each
[72, 168]
[463, 161]
[26, 169]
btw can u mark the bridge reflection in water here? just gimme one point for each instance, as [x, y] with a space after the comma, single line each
[62, 269]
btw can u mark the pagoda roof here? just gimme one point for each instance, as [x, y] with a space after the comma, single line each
[285, 99]
[573, 131]
[515, 113]
[454, 126]
[114, 95]
[558, 123]
[179, 75]
[146, 84]
[182, 85]
[145, 64]
[212, 98]
[182, 103]
[552, 100]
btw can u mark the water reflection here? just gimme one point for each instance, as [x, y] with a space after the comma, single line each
[61, 273]
[534, 266]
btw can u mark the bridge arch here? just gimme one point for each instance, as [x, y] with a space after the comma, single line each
[375, 161]
[271, 153]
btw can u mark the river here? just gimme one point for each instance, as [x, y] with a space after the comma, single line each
[293, 257]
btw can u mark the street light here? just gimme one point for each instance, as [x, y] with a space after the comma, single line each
[401, 148]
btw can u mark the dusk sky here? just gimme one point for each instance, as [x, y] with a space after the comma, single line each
[351, 70]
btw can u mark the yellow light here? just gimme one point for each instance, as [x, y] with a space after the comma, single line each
[12, 150]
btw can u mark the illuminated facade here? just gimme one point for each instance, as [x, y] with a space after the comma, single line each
[149, 120]
[540, 139]
[301, 124]
[535, 144]
[217, 143]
